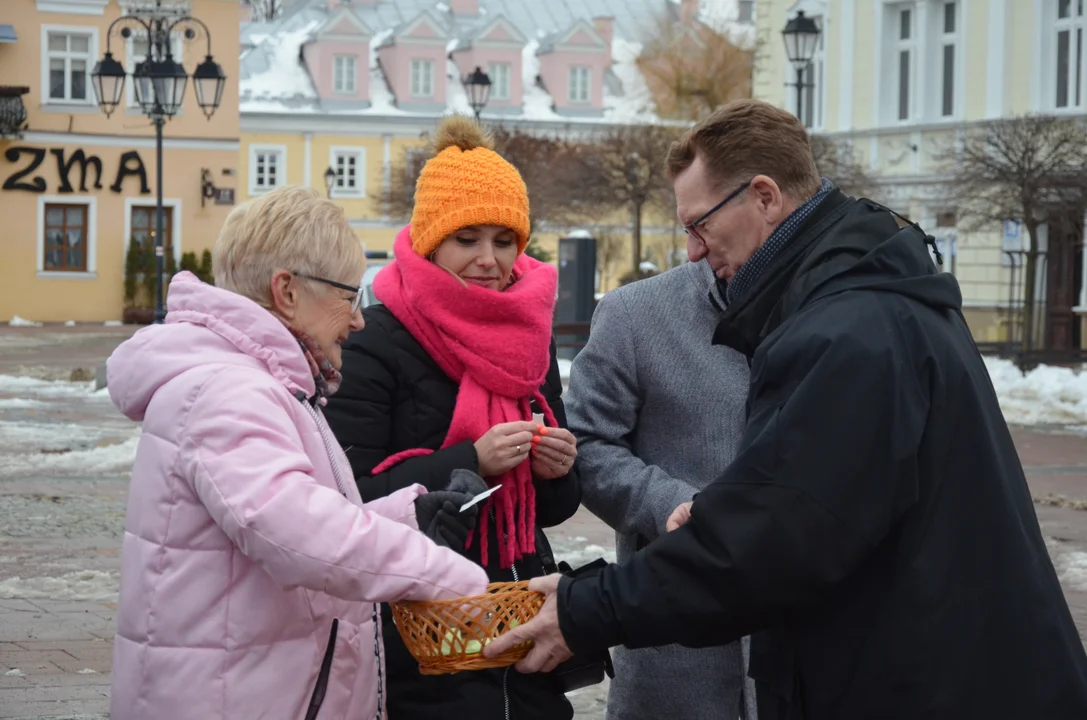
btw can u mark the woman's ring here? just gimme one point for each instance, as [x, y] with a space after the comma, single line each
[563, 460]
[518, 449]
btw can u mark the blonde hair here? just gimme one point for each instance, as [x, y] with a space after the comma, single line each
[291, 228]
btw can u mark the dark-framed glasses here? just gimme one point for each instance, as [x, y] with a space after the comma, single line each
[356, 299]
[692, 228]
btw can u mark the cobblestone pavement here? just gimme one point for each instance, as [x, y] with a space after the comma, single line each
[63, 454]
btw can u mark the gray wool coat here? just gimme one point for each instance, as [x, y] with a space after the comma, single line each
[658, 412]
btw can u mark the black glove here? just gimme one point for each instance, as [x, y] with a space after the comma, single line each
[438, 513]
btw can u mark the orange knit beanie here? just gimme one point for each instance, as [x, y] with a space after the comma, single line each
[466, 183]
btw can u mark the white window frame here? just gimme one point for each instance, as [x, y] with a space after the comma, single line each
[73, 7]
[281, 167]
[1075, 26]
[339, 189]
[579, 85]
[500, 73]
[46, 55]
[91, 203]
[814, 118]
[177, 47]
[937, 56]
[422, 77]
[175, 230]
[892, 47]
[341, 64]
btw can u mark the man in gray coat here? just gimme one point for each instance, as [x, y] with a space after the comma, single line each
[658, 412]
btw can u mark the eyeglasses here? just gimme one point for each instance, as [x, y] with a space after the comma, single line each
[356, 300]
[692, 229]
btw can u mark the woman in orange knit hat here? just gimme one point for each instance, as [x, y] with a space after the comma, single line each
[455, 374]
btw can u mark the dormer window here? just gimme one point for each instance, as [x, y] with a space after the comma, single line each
[343, 74]
[578, 90]
[500, 80]
[422, 78]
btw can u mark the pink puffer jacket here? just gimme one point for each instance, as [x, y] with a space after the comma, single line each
[248, 560]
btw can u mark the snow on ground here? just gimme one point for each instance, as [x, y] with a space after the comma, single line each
[93, 585]
[22, 322]
[1045, 395]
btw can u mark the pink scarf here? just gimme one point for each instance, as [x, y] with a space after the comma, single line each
[496, 347]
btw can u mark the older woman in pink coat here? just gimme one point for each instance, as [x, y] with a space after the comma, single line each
[250, 567]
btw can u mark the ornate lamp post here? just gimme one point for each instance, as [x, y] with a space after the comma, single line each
[330, 180]
[801, 35]
[158, 82]
[477, 85]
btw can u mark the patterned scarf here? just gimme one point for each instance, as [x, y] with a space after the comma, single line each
[325, 377]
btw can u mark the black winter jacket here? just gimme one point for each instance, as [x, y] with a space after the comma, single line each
[394, 397]
[876, 530]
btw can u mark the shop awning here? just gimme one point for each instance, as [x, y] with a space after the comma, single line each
[7, 33]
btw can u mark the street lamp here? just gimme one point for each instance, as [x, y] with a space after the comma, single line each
[158, 82]
[477, 85]
[330, 180]
[801, 35]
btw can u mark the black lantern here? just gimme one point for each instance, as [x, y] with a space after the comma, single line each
[169, 79]
[801, 38]
[478, 88]
[108, 81]
[330, 180]
[801, 35]
[209, 80]
[159, 85]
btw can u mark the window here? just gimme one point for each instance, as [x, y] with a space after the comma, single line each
[422, 78]
[267, 168]
[343, 74]
[349, 164]
[579, 84]
[143, 227]
[68, 63]
[899, 58]
[811, 112]
[943, 61]
[66, 245]
[1067, 46]
[136, 52]
[500, 80]
[745, 11]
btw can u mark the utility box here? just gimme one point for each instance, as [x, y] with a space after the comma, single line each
[577, 291]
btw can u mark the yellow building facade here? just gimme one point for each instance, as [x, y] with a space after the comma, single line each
[77, 187]
[897, 82]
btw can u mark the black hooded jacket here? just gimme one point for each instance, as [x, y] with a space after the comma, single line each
[875, 531]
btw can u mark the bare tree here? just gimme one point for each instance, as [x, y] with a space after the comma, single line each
[691, 70]
[609, 249]
[536, 157]
[1032, 168]
[264, 10]
[620, 169]
[834, 159]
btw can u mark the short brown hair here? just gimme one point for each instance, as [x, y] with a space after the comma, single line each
[745, 138]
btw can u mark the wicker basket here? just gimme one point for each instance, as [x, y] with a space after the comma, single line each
[448, 636]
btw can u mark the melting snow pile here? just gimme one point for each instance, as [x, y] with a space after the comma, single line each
[92, 585]
[1045, 395]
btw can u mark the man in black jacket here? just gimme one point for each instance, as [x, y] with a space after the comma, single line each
[875, 531]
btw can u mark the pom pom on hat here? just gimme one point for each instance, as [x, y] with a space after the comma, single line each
[466, 183]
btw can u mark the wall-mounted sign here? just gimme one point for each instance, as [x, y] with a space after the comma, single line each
[224, 196]
[31, 159]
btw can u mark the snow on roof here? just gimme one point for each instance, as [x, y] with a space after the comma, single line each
[536, 101]
[274, 78]
[283, 77]
[635, 104]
